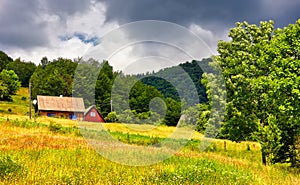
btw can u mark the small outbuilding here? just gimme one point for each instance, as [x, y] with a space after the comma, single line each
[63, 107]
[93, 115]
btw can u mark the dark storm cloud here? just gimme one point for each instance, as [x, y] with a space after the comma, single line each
[63, 8]
[22, 24]
[26, 24]
[18, 25]
[210, 14]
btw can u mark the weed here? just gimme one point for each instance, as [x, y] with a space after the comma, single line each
[8, 166]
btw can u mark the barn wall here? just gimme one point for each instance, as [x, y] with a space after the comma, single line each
[90, 118]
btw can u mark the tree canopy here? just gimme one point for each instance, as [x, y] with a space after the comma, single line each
[23, 69]
[261, 70]
[4, 60]
[9, 84]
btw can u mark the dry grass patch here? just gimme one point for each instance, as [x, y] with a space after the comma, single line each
[16, 138]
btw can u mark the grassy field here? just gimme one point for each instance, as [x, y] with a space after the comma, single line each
[52, 151]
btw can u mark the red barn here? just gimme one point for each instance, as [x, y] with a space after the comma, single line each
[92, 115]
[63, 107]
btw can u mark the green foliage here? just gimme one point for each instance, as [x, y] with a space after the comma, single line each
[111, 117]
[260, 66]
[54, 79]
[44, 62]
[9, 167]
[241, 65]
[4, 60]
[270, 138]
[198, 116]
[181, 76]
[173, 113]
[24, 70]
[53, 127]
[103, 88]
[140, 97]
[85, 81]
[9, 84]
[57, 77]
[127, 117]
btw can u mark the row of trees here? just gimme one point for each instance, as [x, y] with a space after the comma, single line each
[130, 96]
[147, 98]
[13, 74]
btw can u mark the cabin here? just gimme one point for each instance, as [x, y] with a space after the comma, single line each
[92, 115]
[62, 107]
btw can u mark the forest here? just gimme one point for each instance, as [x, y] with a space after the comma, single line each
[261, 69]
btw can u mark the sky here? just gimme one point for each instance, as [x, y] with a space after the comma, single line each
[33, 29]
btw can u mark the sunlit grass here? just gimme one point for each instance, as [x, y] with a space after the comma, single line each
[18, 106]
[51, 151]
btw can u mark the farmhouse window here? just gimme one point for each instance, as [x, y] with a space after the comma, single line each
[51, 115]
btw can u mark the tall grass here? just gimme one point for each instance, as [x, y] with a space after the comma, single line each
[52, 151]
[43, 156]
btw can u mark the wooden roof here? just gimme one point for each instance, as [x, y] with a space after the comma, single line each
[66, 104]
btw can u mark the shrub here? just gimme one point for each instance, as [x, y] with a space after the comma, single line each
[53, 127]
[8, 166]
[111, 117]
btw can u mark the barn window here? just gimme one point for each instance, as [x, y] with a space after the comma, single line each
[93, 114]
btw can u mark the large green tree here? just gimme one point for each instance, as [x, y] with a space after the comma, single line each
[103, 88]
[9, 84]
[85, 79]
[261, 70]
[54, 79]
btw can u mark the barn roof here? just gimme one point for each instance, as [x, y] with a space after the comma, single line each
[88, 109]
[66, 104]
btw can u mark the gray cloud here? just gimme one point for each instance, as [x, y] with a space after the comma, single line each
[29, 24]
[214, 15]
[65, 8]
[18, 24]
[24, 24]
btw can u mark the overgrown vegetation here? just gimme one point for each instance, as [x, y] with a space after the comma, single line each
[43, 155]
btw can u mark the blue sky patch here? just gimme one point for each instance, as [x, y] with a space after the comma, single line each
[85, 38]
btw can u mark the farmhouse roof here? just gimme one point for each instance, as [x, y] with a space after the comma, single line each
[66, 104]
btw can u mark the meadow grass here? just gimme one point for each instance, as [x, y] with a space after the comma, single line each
[52, 151]
[42, 156]
[18, 105]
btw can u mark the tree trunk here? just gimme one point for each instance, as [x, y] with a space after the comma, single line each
[263, 157]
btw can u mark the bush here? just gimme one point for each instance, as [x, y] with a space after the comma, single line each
[8, 166]
[55, 127]
[111, 117]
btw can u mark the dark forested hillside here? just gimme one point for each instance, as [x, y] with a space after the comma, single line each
[4, 60]
[179, 82]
